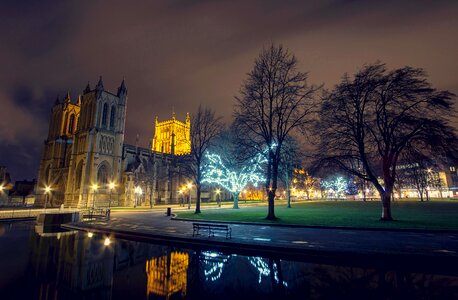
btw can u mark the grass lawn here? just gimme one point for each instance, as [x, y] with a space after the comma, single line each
[407, 214]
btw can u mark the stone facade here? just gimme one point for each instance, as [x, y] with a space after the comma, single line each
[172, 136]
[86, 163]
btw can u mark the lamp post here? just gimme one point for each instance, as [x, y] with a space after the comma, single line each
[111, 186]
[138, 193]
[47, 192]
[217, 197]
[181, 197]
[94, 189]
[189, 186]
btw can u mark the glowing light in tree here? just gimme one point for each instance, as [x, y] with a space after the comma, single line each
[337, 186]
[233, 180]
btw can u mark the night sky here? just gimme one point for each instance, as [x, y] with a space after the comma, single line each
[182, 53]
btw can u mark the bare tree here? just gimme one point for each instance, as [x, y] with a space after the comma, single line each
[205, 127]
[274, 101]
[369, 120]
[290, 159]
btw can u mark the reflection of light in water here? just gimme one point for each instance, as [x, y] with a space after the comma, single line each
[213, 263]
[263, 268]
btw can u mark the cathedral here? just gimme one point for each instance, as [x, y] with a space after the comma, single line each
[86, 163]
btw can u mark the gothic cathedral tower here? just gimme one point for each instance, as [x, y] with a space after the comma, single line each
[97, 150]
[53, 171]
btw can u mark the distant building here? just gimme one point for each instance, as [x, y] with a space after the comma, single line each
[5, 185]
[21, 191]
[172, 136]
[86, 163]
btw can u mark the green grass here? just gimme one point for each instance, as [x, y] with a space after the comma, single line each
[408, 214]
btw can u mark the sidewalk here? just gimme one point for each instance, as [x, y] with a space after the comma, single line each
[405, 250]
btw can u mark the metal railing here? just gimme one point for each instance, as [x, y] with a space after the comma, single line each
[95, 213]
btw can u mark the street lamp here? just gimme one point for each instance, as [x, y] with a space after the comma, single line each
[181, 196]
[94, 189]
[138, 192]
[111, 186]
[189, 186]
[217, 197]
[47, 192]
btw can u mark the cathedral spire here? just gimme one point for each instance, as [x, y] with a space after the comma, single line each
[122, 90]
[67, 97]
[87, 89]
[99, 85]
[57, 100]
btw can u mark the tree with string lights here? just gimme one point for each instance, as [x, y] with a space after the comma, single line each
[233, 179]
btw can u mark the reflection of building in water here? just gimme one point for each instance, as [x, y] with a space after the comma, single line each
[66, 264]
[167, 274]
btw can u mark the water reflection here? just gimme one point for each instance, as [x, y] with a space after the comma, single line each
[76, 265]
[167, 274]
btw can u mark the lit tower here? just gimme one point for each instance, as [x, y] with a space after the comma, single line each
[172, 136]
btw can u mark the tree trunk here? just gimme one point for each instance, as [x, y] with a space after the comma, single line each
[236, 200]
[288, 195]
[386, 206]
[271, 206]
[198, 199]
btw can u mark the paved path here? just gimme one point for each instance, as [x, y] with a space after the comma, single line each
[386, 248]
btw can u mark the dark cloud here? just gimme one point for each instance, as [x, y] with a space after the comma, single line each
[182, 53]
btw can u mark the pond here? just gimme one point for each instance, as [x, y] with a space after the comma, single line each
[78, 265]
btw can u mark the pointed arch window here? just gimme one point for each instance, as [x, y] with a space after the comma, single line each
[102, 175]
[78, 175]
[65, 124]
[105, 115]
[71, 124]
[112, 116]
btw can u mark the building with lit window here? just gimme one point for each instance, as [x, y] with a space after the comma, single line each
[172, 136]
[85, 162]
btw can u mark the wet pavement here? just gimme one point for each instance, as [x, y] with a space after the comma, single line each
[421, 249]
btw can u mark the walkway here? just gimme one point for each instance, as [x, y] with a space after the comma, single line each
[423, 252]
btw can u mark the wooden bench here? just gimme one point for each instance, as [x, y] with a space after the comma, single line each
[211, 229]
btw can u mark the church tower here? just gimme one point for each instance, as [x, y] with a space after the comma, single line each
[53, 171]
[97, 151]
[172, 136]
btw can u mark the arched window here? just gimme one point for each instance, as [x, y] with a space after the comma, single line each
[47, 175]
[112, 116]
[104, 115]
[64, 131]
[102, 175]
[78, 175]
[71, 124]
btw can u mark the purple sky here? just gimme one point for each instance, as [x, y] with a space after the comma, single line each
[182, 53]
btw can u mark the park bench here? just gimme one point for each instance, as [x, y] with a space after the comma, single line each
[211, 229]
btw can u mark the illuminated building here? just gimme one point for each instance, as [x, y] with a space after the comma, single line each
[167, 274]
[85, 147]
[172, 136]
